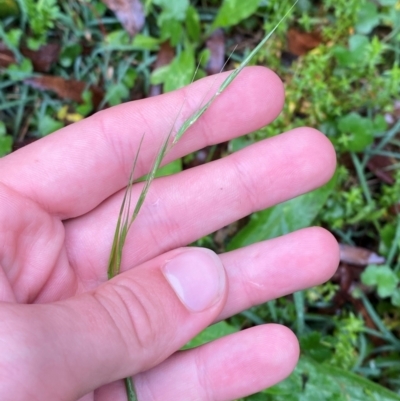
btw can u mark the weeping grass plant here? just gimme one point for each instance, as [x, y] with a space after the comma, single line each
[126, 215]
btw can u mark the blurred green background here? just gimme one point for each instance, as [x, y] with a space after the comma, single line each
[61, 61]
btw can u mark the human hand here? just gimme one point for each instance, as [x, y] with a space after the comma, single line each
[67, 332]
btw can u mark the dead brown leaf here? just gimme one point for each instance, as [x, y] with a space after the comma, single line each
[359, 256]
[301, 43]
[216, 45]
[42, 59]
[6, 56]
[66, 88]
[164, 57]
[129, 12]
[378, 165]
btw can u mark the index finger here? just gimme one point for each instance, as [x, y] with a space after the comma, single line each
[72, 171]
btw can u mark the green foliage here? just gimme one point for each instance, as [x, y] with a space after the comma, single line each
[357, 132]
[313, 381]
[283, 218]
[19, 72]
[177, 74]
[384, 279]
[42, 15]
[48, 125]
[5, 140]
[8, 8]
[172, 10]
[234, 11]
[368, 18]
[211, 333]
[346, 87]
[345, 337]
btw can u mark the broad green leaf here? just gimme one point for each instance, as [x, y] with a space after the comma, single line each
[193, 24]
[234, 11]
[316, 346]
[171, 29]
[177, 74]
[211, 333]
[283, 218]
[171, 168]
[359, 131]
[144, 42]
[312, 381]
[175, 10]
[118, 37]
[368, 18]
[8, 8]
[383, 277]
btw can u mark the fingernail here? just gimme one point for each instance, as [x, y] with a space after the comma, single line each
[197, 277]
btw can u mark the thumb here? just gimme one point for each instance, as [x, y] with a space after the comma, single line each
[127, 325]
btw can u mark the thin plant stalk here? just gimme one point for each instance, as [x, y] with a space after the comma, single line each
[125, 218]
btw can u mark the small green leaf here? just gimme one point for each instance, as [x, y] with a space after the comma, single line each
[396, 297]
[48, 125]
[21, 71]
[283, 218]
[193, 24]
[116, 93]
[359, 131]
[382, 277]
[177, 74]
[3, 130]
[129, 78]
[171, 29]
[379, 124]
[5, 140]
[69, 54]
[356, 54]
[144, 42]
[87, 105]
[35, 43]
[13, 37]
[211, 333]
[313, 346]
[233, 11]
[118, 37]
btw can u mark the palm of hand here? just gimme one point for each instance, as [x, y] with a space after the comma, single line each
[60, 200]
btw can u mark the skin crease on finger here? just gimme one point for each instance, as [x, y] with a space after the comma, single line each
[94, 157]
[257, 177]
[223, 370]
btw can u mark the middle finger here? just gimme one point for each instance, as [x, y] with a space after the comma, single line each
[184, 207]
